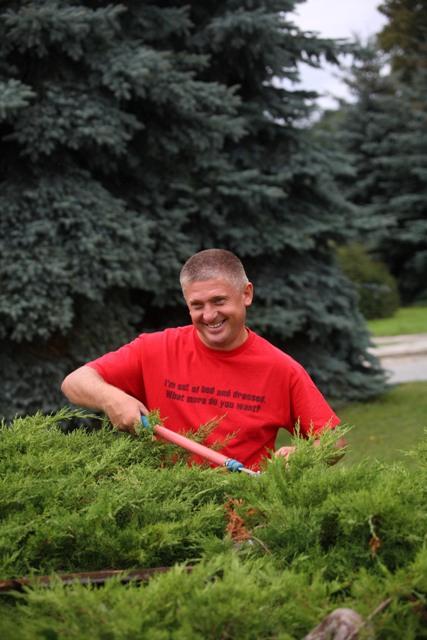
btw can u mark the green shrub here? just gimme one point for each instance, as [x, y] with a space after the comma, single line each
[376, 287]
[319, 537]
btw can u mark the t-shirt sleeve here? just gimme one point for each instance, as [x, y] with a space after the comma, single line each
[309, 408]
[123, 368]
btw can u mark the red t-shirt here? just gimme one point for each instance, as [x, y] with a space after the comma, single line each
[256, 389]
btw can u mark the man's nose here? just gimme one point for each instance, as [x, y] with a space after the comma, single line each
[209, 313]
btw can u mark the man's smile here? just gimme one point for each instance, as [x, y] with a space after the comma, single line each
[218, 311]
[217, 325]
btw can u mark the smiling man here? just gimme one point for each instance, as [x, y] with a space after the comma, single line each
[215, 368]
[218, 302]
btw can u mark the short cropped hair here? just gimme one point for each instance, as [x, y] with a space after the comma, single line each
[213, 263]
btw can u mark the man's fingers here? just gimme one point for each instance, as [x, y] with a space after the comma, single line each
[127, 416]
[143, 410]
[285, 452]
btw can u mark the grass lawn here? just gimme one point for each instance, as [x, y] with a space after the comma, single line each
[406, 320]
[386, 427]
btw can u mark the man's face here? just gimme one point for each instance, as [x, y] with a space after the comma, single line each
[218, 311]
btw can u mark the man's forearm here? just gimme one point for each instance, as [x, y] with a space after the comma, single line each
[86, 388]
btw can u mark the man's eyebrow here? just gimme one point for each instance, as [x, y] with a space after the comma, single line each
[213, 299]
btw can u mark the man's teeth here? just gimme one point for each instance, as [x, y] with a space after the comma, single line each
[215, 326]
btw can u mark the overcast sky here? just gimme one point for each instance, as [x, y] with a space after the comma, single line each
[335, 19]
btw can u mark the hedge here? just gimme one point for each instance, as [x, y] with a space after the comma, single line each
[269, 556]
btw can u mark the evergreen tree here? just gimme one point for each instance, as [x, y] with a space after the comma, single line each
[385, 133]
[405, 35]
[134, 134]
[358, 128]
[403, 161]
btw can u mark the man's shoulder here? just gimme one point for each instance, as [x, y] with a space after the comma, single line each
[275, 354]
[167, 335]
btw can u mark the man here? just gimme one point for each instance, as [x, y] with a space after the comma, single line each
[214, 368]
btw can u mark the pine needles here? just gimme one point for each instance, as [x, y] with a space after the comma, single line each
[316, 537]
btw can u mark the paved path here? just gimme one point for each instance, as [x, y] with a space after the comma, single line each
[404, 357]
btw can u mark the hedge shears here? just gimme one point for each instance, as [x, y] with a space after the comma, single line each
[195, 447]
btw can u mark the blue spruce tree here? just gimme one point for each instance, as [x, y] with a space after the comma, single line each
[134, 134]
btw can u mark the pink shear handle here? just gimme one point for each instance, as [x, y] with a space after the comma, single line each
[195, 447]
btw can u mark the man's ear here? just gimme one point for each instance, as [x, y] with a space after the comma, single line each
[248, 294]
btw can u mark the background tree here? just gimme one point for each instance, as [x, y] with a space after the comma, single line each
[357, 129]
[384, 131]
[376, 288]
[405, 35]
[134, 134]
[403, 162]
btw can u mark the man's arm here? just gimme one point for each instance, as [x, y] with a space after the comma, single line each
[86, 388]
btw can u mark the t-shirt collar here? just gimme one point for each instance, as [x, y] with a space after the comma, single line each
[223, 353]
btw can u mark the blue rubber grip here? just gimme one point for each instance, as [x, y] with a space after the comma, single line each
[233, 465]
[144, 421]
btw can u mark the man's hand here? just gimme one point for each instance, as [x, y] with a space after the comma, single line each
[340, 445]
[87, 388]
[123, 411]
[285, 452]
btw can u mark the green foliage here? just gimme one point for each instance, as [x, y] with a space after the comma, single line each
[134, 134]
[320, 537]
[85, 497]
[404, 245]
[384, 133]
[13, 96]
[404, 35]
[376, 287]
[221, 598]
[86, 215]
